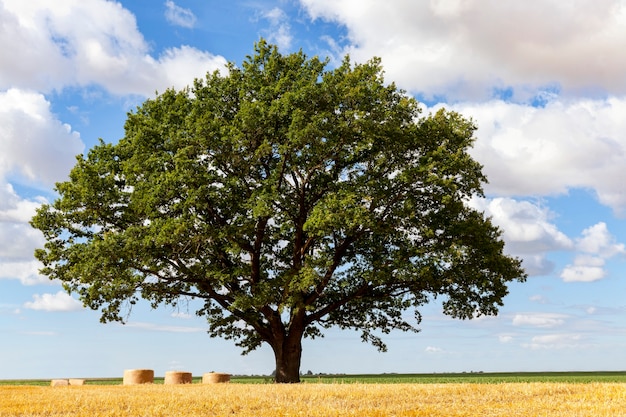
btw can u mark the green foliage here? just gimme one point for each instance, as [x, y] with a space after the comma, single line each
[290, 198]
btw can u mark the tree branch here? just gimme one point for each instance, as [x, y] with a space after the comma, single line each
[316, 316]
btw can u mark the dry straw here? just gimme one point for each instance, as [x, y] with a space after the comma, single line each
[76, 381]
[138, 376]
[215, 378]
[177, 377]
[59, 383]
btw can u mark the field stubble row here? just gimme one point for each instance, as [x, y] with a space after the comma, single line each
[509, 399]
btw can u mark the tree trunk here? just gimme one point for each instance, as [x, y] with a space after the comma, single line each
[288, 355]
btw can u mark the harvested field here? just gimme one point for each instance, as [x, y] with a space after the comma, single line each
[525, 399]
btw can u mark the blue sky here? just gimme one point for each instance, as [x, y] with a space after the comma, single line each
[544, 81]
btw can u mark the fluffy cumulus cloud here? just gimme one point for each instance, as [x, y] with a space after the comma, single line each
[595, 246]
[598, 240]
[26, 271]
[78, 43]
[61, 301]
[551, 95]
[530, 234]
[90, 42]
[464, 48]
[37, 149]
[547, 150]
[527, 230]
[35, 144]
[584, 269]
[17, 241]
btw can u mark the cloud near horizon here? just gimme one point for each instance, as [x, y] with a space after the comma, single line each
[555, 341]
[163, 328]
[539, 320]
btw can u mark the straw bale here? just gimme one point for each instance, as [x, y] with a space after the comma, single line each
[177, 377]
[59, 383]
[138, 376]
[76, 381]
[215, 378]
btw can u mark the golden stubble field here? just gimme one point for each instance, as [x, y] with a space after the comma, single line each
[510, 399]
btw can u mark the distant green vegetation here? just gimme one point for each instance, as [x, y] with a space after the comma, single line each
[443, 378]
[477, 378]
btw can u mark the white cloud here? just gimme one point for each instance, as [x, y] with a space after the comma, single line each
[86, 42]
[529, 234]
[596, 246]
[180, 315]
[71, 39]
[61, 301]
[37, 149]
[541, 320]
[554, 341]
[533, 151]
[179, 16]
[433, 349]
[27, 272]
[279, 32]
[465, 48]
[15, 209]
[526, 225]
[598, 240]
[585, 269]
[178, 67]
[35, 144]
[527, 231]
[17, 239]
[505, 338]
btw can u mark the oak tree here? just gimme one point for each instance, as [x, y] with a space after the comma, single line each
[288, 198]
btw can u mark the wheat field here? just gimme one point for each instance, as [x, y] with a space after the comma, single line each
[510, 399]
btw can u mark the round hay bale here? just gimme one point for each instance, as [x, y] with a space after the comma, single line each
[138, 376]
[59, 383]
[76, 381]
[177, 377]
[215, 378]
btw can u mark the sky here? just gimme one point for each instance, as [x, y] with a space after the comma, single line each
[544, 81]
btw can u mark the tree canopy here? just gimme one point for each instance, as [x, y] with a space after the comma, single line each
[289, 198]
